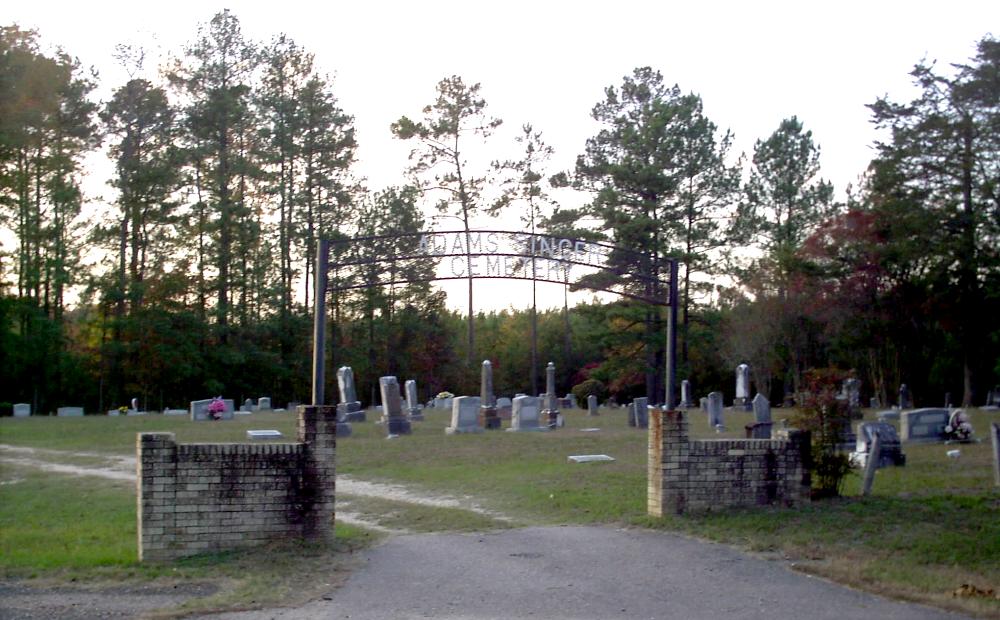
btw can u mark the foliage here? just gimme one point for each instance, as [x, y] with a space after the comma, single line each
[590, 387]
[828, 419]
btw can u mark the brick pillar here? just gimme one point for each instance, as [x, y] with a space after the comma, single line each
[654, 464]
[676, 450]
[799, 479]
[318, 431]
[156, 482]
[668, 460]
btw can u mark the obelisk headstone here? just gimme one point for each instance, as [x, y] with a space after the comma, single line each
[550, 414]
[487, 401]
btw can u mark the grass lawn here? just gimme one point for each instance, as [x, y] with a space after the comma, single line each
[928, 528]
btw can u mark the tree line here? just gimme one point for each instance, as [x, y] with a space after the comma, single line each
[238, 157]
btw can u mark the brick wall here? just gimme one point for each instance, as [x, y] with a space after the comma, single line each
[696, 476]
[194, 498]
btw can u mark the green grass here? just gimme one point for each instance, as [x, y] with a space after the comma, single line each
[928, 527]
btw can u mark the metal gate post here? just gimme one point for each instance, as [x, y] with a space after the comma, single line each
[671, 382]
[319, 322]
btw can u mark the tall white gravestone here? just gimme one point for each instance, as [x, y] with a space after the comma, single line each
[761, 428]
[551, 411]
[685, 395]
[742, 386]
[487, 401]
[592, 406]
[413, 408]
[349, 408]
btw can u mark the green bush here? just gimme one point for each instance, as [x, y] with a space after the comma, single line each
[590, 386]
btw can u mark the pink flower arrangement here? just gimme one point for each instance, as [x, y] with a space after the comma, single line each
[216, 408]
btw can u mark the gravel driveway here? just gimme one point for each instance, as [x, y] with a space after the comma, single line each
[583, 573]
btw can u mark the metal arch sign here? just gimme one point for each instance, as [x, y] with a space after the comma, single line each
[498, 254]
[479, 254]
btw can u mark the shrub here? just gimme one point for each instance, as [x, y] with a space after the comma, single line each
[829, 421]
[589, 387]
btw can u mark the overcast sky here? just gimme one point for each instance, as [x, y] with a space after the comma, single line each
[547, 63]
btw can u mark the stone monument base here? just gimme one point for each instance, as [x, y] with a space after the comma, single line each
[489, 419]
[398, 425]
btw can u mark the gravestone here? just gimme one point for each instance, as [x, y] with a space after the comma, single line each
[569, 401]
[349, 409]
[889, 415]
[905, 400]
[742, 386]
[924, 425]
[247, 405]
[992, 400]
[175, 412]
[505, 407]
[685, 395]
[443, 403]
[396, 422]
[525, 415]
[22, 410]
[487, 401]
[703, 404]
[199, 409]
[852, 394]
[592, 405]
[550, 411]
[464, 416]
[69, 412]
[890, 450]
[638, 413]
[264, 403]
[413, 408]
[714, 408]
[761, 428]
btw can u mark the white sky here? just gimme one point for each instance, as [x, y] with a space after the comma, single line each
[547, 63]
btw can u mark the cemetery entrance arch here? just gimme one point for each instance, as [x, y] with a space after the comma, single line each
[387, 260]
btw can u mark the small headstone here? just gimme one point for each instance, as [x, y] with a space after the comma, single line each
[592, 405]
[264, 434]
[714, 406]
[264, 403]
[638, 414]
[891, 449]
[69, 412]
[685, 395]
[247, 406]
[392, 407]
[349, 409]
[413, 409]
[924, 425]
[589, 458]
[504, 407]
[905, 400]
[22, 410]
[550, 411]
[114, 413]
[487, 401]
[570, 401]
[175, 412]
[525, 415]
[464, 416]
[703, 404]
[761, 428]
